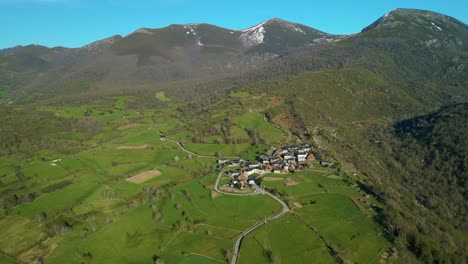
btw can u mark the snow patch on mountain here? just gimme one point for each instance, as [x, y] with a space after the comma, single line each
[437, 27]
[191, 32]
[326, 38]
[253, 35]
[294, 28]
[299, 30]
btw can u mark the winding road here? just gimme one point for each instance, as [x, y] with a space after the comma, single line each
[181, 146]
[258, 191]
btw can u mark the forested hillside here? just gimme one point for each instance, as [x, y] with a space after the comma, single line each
[426, 159]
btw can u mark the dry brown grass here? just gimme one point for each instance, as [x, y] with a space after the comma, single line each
[287, 119]
[290, 182]
[270, 179]
[214, 194]
[44, 249]
[276, 100]
[144, 176]
[146, 146]
[297, 205]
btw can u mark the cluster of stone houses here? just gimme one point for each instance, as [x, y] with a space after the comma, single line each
[283, 160]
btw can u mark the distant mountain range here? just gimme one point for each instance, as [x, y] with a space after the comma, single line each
[159, 57]
[173, 53]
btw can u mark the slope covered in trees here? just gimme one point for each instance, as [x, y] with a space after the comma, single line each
[426, 160]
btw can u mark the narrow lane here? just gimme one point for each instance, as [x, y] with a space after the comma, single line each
[258, 191]
[285, 209]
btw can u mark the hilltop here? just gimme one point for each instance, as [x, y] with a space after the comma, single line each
[171, 54]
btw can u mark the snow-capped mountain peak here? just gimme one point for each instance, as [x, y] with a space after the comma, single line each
[253, 35]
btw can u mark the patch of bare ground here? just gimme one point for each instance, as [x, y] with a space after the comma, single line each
[290, 181]
[44, 249]
[270, 179]
[335, 177]
[383, 257]
[276, 100]
[214, 194]
[297, 205]
[145, 146]
[144, 176]
[287, 119]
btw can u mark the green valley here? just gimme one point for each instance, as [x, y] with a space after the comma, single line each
[278, 143]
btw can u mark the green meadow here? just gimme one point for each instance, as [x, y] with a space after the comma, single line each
[81, 208]
[335, 208]
[267, 133]
[286, 240]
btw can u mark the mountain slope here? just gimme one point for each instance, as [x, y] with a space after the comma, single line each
[148, 56]
[429, 74]
[425, 161]
[400, 67]
[278, 36]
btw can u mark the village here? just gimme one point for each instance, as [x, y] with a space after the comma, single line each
[283, 160]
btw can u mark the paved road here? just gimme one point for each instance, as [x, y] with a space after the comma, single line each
[258, 191]
[181, 146]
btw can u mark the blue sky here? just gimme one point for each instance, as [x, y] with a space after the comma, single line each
[74, 23]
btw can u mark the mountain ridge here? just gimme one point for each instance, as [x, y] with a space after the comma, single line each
[149, 30]
[200, 51]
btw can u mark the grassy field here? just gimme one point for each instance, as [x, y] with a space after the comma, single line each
[338, 210]
[18, 234]
[340, 221]
[81, 209]
[254, 121]
[286, 240]
[54, 202]
[136, 237]
[212, 149]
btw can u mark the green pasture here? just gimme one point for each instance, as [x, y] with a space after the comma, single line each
[219, 211]
[132, 238]
[136, 237]
[18, 234]
[285, 240]
[237, 132]
[186, 245]
[356, 237]
[212, 149]
[52, 203]
[267, 132]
